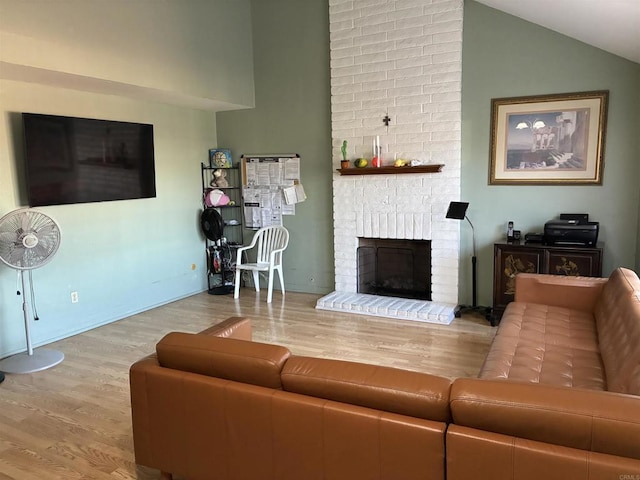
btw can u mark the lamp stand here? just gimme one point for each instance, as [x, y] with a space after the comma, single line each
[474, 307]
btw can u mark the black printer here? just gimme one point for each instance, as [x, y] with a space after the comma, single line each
[572, 229]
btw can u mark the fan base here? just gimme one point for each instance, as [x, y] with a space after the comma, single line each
[41, 359]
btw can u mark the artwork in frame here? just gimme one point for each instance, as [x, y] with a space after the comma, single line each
[220, 158]
[548, 139]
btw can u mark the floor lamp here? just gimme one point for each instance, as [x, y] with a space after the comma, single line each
[458, 211]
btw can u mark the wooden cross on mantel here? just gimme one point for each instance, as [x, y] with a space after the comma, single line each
[386, 120]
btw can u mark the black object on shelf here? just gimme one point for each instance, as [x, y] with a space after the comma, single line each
[458, 211]
[212, 224]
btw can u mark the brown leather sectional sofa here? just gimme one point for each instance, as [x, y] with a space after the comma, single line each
[559, 392]
[558, 398]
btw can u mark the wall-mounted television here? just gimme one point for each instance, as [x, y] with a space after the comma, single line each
[82, 160]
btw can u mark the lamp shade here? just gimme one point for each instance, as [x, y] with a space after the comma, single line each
[457, 210]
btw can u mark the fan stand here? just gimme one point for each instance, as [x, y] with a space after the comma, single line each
[31, 360]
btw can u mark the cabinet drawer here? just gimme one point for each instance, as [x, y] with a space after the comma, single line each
[575, 263]
[509, 262]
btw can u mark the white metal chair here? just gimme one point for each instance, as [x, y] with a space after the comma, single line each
[271, 242]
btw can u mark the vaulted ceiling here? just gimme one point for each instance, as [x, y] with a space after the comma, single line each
[611, 25]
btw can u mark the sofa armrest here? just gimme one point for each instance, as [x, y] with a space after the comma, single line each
[590, 420]
[579, 293]
[140, 401]
[232, 327]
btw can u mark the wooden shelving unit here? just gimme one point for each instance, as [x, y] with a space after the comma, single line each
[430, 168]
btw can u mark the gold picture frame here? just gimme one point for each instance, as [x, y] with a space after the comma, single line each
[553, 139]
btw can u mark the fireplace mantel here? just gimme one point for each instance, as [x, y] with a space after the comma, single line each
[430, 168]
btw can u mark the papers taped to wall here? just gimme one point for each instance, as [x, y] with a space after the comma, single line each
[262, 206]
[271, 188]
[294, 194]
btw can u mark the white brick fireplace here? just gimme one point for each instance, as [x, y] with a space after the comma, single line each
[400, 58]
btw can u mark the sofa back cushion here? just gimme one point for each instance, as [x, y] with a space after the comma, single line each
[231, 359]
[384, 388]
[206, 428]
[576, 293]
[617, 314]
[589, 420]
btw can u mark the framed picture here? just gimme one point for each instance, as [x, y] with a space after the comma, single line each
[220, 158]
[549, 139]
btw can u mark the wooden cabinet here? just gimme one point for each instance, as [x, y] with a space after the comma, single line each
[513, 258]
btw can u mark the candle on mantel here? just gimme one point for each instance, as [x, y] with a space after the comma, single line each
[376, 161]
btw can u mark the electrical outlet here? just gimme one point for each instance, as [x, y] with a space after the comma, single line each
[74, 297]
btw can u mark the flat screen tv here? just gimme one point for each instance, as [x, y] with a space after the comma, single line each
[82, 160]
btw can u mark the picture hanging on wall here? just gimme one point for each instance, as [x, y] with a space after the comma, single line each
[549, 139]
[220, 158]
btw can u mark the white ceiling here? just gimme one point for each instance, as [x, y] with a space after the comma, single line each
[612, 25]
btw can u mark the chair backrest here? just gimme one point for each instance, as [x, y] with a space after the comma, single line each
[271, 238]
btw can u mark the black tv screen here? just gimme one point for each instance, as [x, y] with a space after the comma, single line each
[82, 160]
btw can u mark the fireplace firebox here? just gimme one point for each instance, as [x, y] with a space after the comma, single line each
[395, 267]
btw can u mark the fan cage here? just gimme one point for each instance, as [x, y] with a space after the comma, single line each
[28, 239]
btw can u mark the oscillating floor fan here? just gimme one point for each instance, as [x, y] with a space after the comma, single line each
[28, 240]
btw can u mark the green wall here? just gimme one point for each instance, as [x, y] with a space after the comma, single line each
[292, 115]
[504, 56]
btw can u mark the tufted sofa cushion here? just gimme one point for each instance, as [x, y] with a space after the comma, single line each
[527, 361]
[548, 325]
[544, 344]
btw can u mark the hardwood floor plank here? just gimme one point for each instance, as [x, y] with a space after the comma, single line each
[74, 420]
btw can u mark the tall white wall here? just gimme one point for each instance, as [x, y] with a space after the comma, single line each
[402, 58]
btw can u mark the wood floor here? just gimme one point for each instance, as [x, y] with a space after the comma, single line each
[73, 421]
